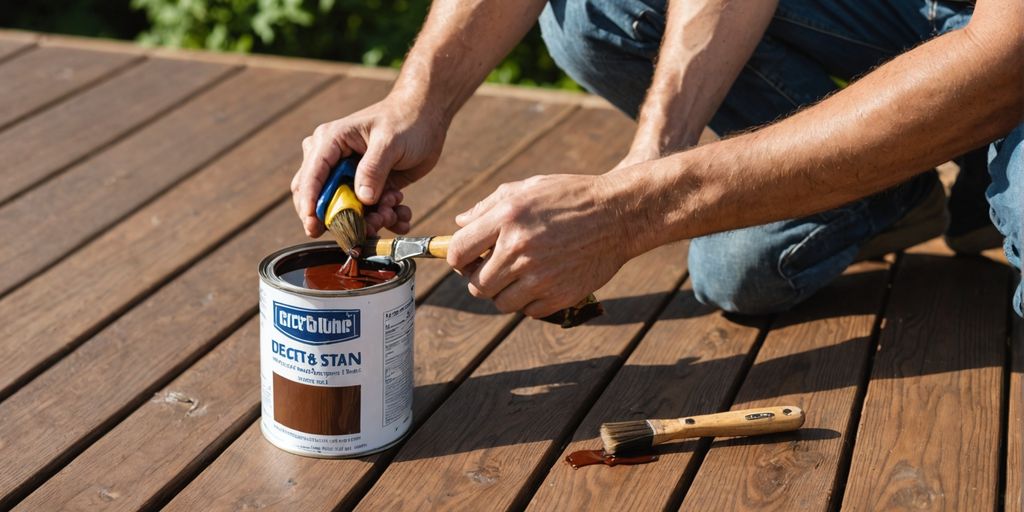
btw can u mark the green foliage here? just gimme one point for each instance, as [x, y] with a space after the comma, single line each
[373, 32]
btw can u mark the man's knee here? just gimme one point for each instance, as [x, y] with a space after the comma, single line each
[585, 36]
[569, 35]
[739, 273]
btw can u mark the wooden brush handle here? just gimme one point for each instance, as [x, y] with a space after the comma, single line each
[748, 422]
[438, 246]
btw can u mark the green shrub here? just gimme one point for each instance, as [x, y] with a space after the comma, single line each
[372, 32]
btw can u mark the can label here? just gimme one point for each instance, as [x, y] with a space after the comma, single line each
[336, 372]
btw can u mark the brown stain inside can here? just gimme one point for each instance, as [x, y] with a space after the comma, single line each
[589, 457]
[322, 410]
[346, 276]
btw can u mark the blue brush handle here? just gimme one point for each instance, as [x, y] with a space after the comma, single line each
[345, 169]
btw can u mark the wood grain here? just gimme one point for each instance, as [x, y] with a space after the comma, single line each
[96, 193]
[125, 262]
[58, 413]
[814, 357]
[1015, 427]
[929, 433]
[55, 138]
[687, 364]
[452, 330]
[170, 434]
[37, 78]
[441, 331]
[484, 447]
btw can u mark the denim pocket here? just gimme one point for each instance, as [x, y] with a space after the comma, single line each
[649, 27]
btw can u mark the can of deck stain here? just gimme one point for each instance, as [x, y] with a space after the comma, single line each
[336, 366]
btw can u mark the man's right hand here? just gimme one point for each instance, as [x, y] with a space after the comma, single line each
[400, 141]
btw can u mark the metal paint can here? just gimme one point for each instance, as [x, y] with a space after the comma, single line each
[336, 366]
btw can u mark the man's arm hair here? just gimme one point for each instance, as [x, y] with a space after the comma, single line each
[926, 106]
[460, 43]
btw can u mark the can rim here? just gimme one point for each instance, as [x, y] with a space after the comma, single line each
[407, 268]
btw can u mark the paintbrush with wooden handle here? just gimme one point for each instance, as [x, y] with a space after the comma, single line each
[402, 247]
[641, 435]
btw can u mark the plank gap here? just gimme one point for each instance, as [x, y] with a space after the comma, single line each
[18, 52]
[846, 455]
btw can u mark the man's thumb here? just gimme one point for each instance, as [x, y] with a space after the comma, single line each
[372, 173]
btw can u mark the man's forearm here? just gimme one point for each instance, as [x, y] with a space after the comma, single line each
[706, 44]
[933, 103]
[460, 43]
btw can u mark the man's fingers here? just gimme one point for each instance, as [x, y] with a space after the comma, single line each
[497, 197]
[470, 242]
[372, 172]
[514, 297]
[404, 213]
[492, 276]
[541, 308]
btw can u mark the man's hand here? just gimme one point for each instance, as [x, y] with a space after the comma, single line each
[400, 142]
[552, 240]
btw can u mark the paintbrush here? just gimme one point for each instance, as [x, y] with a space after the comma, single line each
[641, 435]
[402, 247]
[339, 208]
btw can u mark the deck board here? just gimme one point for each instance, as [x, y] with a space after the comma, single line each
[44, 144]
[929, 433]
[38, 77]
[814, 357]
[689, 363]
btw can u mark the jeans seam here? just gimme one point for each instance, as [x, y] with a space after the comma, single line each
[773, 85]
[787, 255]
[836, 35]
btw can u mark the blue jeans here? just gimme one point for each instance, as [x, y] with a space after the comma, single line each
[608, 46]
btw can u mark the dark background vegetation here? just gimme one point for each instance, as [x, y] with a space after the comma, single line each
[372, 32]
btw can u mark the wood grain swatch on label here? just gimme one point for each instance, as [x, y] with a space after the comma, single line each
[321, 410]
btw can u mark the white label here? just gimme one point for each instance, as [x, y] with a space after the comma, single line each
[363, 341]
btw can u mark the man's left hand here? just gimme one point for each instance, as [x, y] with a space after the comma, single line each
[552, 240]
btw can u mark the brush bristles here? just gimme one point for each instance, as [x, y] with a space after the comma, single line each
[627, 436]
[349, 229]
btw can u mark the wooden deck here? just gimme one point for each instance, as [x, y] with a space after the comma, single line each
[139, 189]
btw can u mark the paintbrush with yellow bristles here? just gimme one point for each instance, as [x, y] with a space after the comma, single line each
[339, 208]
